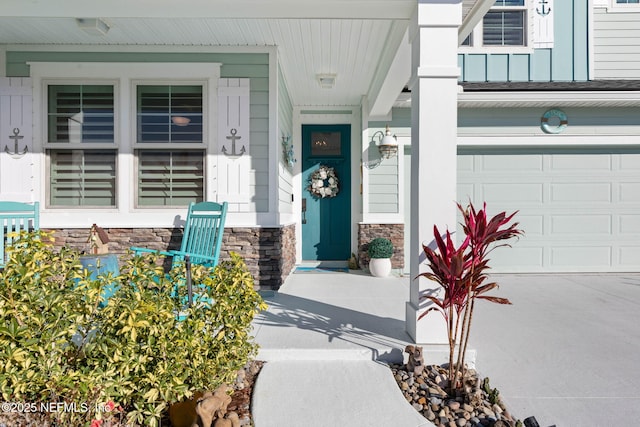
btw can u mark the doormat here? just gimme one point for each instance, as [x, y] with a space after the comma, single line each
[319, 269]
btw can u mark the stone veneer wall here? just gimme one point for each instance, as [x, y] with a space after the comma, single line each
[393, 232]
[269, 252]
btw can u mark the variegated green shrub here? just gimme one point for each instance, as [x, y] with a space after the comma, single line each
[58, 345]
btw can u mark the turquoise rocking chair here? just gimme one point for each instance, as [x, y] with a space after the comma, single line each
[202, 237]
[14, 218]
[201, 245]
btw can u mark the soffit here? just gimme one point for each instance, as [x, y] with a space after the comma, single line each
[348, 38]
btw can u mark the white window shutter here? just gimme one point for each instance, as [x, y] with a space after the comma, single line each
[234, 145]
[543, 13]
[17, 182]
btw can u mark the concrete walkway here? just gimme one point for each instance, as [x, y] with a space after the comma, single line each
[317, 393]
[566, 351]
[323, 337]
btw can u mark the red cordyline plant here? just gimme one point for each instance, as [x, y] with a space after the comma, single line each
[461, 272]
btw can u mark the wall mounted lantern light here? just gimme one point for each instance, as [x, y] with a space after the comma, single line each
[387, 143]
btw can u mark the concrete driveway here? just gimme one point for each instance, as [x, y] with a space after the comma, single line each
[567, 351]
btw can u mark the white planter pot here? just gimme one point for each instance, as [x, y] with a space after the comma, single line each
[380, 267]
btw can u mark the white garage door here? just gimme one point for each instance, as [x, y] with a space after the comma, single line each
[579, 208]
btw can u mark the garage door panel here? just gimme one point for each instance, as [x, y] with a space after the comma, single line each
[630, 192]
[466, 192]
[572, 257]
[630, 224]
[630, 162]
[568, 192]
[581, 224]
[585, 163]
[507, 163]
[629, 255]
[513, 193]
[532, 224]
[465, 163]
[526, 258]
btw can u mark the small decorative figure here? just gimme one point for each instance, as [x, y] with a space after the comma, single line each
[98, 241]
[213, 405]
[287, 152]
[230, 420]
[415, 363]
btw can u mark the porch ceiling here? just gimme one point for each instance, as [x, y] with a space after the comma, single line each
[355, 39]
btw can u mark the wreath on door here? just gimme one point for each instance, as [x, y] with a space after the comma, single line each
[323, 182]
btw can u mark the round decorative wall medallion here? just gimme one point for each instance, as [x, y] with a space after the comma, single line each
[549, 127]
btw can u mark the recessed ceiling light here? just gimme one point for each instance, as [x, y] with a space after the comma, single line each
[93, 26]
[327, 81]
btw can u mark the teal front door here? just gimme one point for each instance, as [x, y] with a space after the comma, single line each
[326, 230]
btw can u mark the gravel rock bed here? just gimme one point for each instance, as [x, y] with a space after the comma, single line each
[476, 406]
[241, 397]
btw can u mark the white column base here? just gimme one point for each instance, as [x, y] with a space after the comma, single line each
[431, 329]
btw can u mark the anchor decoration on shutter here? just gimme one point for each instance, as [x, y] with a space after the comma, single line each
[17, 172]
[16, 154]
[234, 145]
[233, 153]
[543, 24]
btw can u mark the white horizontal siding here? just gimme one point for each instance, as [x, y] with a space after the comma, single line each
[616, 45]
[384, 187]
[285, 124]
[526, 121]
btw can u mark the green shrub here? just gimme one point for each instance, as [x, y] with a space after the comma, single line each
[57, 345]
[380, 248]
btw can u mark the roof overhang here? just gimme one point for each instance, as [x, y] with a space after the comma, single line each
[384, 96]
[548, 99]
[599, 93]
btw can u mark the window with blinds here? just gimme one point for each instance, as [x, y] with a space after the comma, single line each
[169, 114]
[505, 24]
[80, 113]
[627, 1]
[82, 178]
[170, 177]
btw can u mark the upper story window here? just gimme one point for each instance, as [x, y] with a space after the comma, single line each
[505, 24]
[618, 6]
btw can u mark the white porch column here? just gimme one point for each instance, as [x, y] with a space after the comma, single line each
[434, 92]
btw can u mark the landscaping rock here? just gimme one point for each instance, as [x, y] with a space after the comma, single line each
[471, 407]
